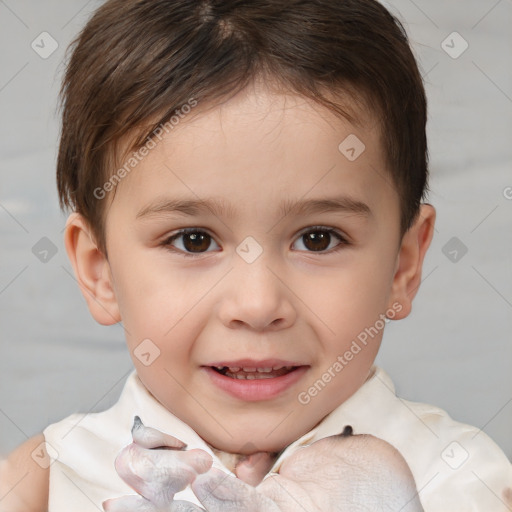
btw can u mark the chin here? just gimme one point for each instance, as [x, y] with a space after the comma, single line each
[248, 442]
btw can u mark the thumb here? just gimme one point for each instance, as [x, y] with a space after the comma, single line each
[148, 437]
[254, 467]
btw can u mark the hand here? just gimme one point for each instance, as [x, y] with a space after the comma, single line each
[337, 474]
[344, 473]
[340, 473]
[157, 474]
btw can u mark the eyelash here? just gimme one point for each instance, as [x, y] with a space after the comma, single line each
[167, 243]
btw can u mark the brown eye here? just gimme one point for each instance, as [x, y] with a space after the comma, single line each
[196, 242]
[317, 240]
[190, 241]
[320, 240]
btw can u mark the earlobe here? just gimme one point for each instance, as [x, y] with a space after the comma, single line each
[407, 277]
[92, 271]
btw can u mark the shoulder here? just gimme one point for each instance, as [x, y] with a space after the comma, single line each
[24, 477]
[457, 466]
[426, 430]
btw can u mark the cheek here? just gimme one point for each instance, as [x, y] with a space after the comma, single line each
[163, 312]
[352, 297]
[352, 305]
[154, 298]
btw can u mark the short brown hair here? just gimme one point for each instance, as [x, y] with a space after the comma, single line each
[138, 61]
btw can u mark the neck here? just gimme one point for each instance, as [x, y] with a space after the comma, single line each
[251, 468]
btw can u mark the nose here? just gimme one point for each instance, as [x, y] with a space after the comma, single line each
[256, 297]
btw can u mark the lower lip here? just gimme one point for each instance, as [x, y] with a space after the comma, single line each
[255, 389]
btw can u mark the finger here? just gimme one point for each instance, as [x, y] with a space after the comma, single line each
[159, 474]
[161, 464]
[128, 504]
[254, 467]
[148, 437]
[369, 471]
[220, 492]
[290, 496]
[140, 504]
[185, 506]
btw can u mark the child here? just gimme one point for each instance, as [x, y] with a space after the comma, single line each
[206, 148]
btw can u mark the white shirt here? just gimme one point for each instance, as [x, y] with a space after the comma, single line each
[456, 467]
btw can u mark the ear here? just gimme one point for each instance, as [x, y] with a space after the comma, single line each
[92, 270]
[414, 245]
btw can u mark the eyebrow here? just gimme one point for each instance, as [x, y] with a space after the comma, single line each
[187, 207]
[221, 208]
[325, 205]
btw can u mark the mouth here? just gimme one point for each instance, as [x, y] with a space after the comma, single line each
[252, 373]
[255, 380]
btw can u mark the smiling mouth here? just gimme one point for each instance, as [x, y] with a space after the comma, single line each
[249, 373]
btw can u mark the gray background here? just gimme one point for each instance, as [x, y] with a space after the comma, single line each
[454, 350]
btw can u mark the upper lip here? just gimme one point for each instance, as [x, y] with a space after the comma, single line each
[253, 363]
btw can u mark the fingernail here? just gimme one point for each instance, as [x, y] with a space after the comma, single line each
[347, 431]
[137, 423]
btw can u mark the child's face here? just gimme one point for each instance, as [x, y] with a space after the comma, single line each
[292, 304]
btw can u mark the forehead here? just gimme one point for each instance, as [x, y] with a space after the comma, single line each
[262, 146]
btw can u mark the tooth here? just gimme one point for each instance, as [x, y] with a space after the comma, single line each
[219, 367]
[251, 377]
[239, 376]
[249, 369]
[234, 369]
[264, 370]
[277, 367]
